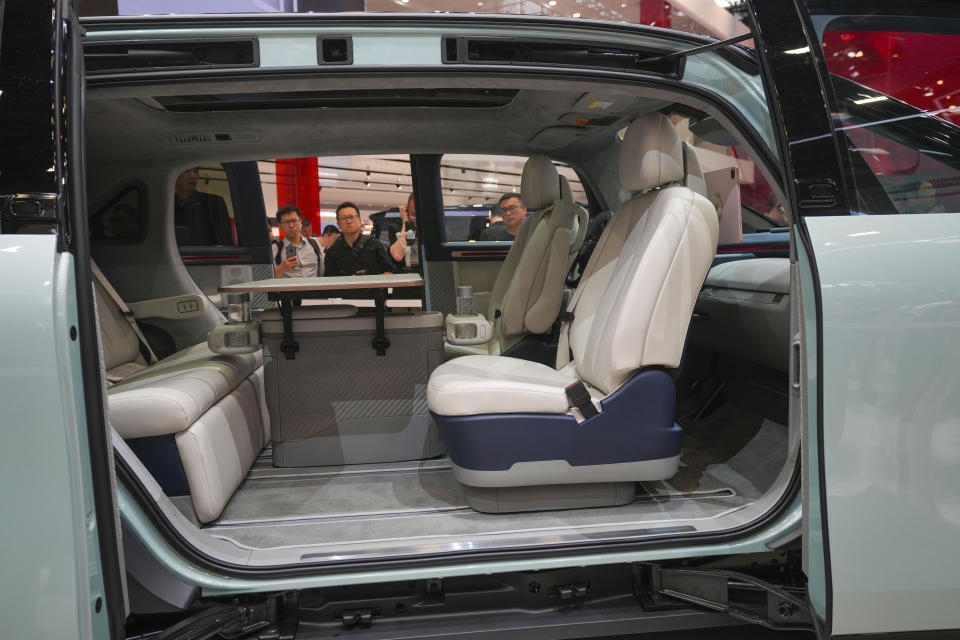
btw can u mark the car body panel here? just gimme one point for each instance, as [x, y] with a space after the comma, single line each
[891, 401]
[52, 581]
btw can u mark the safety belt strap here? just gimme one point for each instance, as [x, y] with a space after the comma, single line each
[579, 397]
[566, 318]
[124, 309]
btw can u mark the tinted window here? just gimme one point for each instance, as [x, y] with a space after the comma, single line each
[120, 220]
[897, 94]
[474, 188]
[203, 208]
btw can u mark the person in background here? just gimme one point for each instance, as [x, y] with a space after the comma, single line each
[354, 253]
[512, 212]
[298, 256]
[923, 199]
[392, 234]
[306, 228]
[199, 218]
[776, 212]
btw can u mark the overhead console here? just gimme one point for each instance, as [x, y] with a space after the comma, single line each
[744, 311]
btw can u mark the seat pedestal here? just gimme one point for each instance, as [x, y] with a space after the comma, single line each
[549, 497]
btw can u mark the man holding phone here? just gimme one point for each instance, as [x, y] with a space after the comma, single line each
[298, 256]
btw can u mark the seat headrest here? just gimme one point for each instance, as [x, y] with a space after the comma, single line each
[694, 178]
[540, 184]
[650, 156]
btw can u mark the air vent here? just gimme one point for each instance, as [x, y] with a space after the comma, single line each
[211, 138]
[169, 55]
[491, 50]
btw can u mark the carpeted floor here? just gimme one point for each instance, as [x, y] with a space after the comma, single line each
[728, 460]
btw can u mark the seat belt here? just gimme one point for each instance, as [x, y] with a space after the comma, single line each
[566, 317]
[579, 397]
[124, 309]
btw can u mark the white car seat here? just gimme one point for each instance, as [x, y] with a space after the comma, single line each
[528, 292]
[196, 419]
[522, 435]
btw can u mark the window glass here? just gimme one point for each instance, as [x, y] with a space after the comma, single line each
[120, 220]
[379, 185]
[897, 113]
[733, 180]
[481, 196]
[203, 207]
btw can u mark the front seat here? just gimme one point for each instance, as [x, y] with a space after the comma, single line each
[528, 292]
[525, 436]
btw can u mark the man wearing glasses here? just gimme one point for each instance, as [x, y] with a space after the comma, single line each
[354, 253]
[299, 256]
[512, 211]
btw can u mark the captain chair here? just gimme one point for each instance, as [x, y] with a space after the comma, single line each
[526, 436]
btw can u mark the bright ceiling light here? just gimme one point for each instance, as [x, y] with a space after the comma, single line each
[576, 15]
[552, 3]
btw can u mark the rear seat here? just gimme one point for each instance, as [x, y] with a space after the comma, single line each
[210, 406]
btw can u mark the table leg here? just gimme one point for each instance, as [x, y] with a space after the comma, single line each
[381, 342]
[288, 346]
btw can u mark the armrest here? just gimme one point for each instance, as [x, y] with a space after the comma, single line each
[190, 305]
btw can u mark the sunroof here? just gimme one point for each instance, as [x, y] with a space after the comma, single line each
[340, 99]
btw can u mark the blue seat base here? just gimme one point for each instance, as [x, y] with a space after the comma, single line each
[635, 425]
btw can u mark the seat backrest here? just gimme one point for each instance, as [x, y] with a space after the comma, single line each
[693, 178]
[635, 302]
[528, 292]
[121, 346]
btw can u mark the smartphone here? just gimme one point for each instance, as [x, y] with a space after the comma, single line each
[290, 252]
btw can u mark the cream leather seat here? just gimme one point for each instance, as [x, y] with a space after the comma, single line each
[528, 292]
[196, 419]
[693, 171]
[516, 438]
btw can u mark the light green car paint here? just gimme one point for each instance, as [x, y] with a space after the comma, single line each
[212, 584]
[813, 559]
[51, 565]
[891, 418]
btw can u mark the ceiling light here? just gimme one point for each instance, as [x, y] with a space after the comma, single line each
[552, 3]
[799, 51]
[576, 15]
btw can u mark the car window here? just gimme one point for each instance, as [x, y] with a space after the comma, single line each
[203, 207]
[733, 179]
[482, 200]
[897, 114]
[120, 220]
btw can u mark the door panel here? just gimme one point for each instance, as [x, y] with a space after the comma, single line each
[881, 318]
[62, 576]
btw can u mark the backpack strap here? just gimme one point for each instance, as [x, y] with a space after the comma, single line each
[316, 250]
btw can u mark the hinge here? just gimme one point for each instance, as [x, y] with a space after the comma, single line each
[736, 594]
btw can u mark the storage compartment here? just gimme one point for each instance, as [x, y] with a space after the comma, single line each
[338, 402]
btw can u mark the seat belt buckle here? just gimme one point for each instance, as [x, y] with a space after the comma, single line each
[579, 397]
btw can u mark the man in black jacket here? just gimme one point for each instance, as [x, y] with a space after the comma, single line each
[354, 253]
[199, 218]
